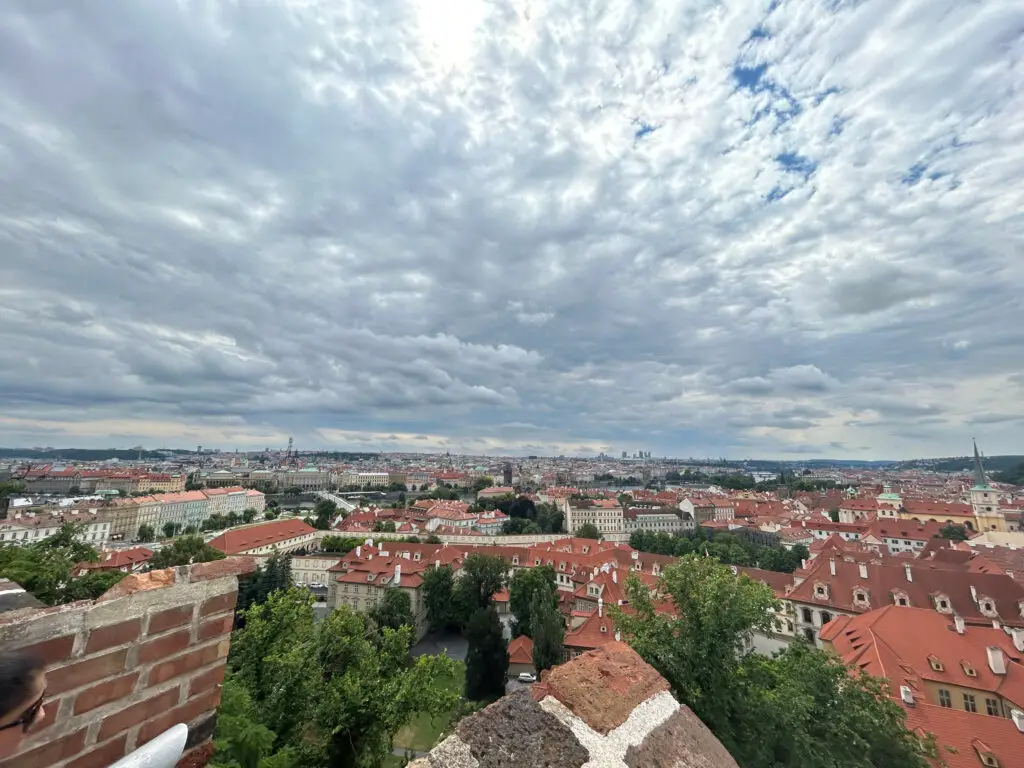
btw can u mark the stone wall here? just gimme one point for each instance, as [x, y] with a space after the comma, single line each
[148, 654]
[604, 709]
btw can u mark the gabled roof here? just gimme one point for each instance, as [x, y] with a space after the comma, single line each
[240, 540]
[959, 733]
[520, 650]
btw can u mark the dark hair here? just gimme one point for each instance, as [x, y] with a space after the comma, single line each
[18, 672]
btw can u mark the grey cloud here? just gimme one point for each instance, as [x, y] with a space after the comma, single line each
[277, 218]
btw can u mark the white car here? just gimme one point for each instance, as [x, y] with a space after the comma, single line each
[526, 677]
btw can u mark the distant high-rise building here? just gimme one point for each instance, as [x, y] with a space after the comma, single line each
[625, 455]
[506, 474]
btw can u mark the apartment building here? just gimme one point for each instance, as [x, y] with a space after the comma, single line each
[657, 519]
[604, 514]
[832, 587]
[900, 535]
[306, 479]
[225, 501]
[23, 528]
[942, 659]
[268, 537]
[363, 479]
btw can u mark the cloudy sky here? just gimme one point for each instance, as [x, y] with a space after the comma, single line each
[743, 228]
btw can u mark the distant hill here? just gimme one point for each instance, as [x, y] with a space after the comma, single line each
[963, 463]
[88, 454]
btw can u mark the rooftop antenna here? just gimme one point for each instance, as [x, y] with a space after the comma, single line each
[290, 444]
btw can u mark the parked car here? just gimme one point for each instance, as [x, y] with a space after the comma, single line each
[526, 677]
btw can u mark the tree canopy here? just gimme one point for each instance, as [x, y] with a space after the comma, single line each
[394, 610]
[44, 568]
[728, 548]
[800, 709]
[487, 655]
[438, 590]
[330, 693]
[481, 577]
[526, 583]
[588, 531]
[184, 550]
[548, 631]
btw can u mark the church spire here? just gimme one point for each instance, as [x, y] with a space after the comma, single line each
[980, 481]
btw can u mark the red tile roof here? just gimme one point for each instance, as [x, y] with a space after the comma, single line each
[960, 734]
[520, 650]
[239, 540]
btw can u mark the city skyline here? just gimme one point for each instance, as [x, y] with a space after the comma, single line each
[739, 229]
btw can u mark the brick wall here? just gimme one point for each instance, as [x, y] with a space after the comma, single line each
[148, 654]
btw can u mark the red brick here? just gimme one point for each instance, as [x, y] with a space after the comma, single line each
[186, 713]
[137, 713]
[218, 604]
[218, 569]
[206, 680]
[180, 665]
[214, 627]
[165, 646]
[169, 619]
[105, 692]
[116, 634]
[50, 753]
[103, 755]
[86, 671]
[54, 651]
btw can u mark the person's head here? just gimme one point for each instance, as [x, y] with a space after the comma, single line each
[22, 689]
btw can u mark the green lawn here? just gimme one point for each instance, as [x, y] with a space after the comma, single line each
[423, 731]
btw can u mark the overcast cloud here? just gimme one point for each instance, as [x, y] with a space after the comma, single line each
[741, 228]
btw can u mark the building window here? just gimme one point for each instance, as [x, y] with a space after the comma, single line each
[992, 707]
[826, 617]
[809, 634]
[935, 663]
[969, 703]
[808, 616]
[944, 698]
[968, 669]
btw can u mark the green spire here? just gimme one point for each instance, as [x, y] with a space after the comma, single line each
[980, 481]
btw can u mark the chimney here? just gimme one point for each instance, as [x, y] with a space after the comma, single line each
[615, 577]
[974, 594]
[996, 660]
[1018, 719]
[906, 569]
[359, 550]
[803, 565]
[398, 575]
[600, 607]
[618, 636]
[636, 555]
[863, 570]
[1018, 638]
[832, 566]
[907, 695]
[958, 622]
[437, 563]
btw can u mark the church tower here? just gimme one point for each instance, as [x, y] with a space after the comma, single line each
[985, 500]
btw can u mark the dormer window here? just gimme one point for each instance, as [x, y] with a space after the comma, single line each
[604, 628]
[968, 669]
[988, 607]
[536, 561]
[821, 590]
[586, 549]
[860, 597]
[416, 556]
[900, 598]
[561, 565]
[935, 664]
[515, 560]
[988, 759]
[942, 603]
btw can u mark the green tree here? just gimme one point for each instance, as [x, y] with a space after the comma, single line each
[394, 610]
[384, 526]
[801, 709]
[525, 584]
[332, 694]
[548, 631]
[438, 591]
[341, 544]
[482, 482]
[248, 515]
[588, 531]
[323, 514]
[240, 740]
[184, 551]
[486, 657]
[481, 577]
[91, 585]
[146, 533]
[273, 575]
[953, 532]
[833, 514]
[171, 529]
[44, 568]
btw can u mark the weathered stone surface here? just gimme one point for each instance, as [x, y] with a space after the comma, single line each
[602, 686]
[682, 741]
[515, 731]
[139, 582]
[453, 752]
